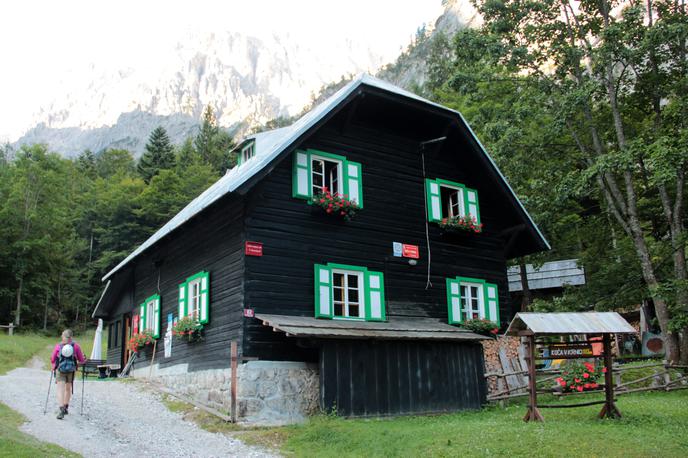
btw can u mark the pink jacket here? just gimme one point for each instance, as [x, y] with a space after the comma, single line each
[77, 352]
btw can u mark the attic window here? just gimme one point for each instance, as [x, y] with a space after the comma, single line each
[447, 199]
[247, 152]
[326, 173]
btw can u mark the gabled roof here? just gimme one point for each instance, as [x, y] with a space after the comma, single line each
[554, 274]
[270, 144]
[570, 323]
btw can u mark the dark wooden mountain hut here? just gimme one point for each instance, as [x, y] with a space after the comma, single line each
[361, 314]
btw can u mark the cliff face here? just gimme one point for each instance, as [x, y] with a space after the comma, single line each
[247, 80]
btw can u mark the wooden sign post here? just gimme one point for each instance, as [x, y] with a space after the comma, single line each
[533, 412]
[609, 410]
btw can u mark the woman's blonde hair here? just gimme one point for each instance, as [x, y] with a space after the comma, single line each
[67, 334]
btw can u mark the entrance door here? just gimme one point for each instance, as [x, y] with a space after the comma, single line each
[126, 330]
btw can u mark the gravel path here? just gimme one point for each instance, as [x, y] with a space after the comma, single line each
[120, 419]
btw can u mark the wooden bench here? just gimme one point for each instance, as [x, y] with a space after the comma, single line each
[100, 367]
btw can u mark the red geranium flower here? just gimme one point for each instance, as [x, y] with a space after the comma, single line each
[579, 388]
[586, 375]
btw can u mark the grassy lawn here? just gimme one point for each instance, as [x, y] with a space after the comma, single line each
[14, 443]
[654, 424]
[17, 350]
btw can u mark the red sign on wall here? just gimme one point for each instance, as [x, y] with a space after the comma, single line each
[249, 313]
[253, 249]
[136, 324]
[410, 251]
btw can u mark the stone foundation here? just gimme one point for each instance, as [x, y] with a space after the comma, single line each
[268, 392]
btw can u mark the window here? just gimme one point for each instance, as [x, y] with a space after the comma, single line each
[194, 300]
[314, 170]
[149, 316]
[325, 174]
[349, 292]
[111, 341]
[446, 199]
[471, 299]
[116, 336]
[194, 307]
[247, 152]
[452, 201]
[346, 292]
[472, 303]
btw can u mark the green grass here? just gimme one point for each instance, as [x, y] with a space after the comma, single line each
[15, 443]
[654, 424]
[17, 350]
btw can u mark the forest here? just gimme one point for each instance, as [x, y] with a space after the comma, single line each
[583, 105]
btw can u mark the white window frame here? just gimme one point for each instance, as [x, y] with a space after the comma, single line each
[149, 325]
[449, 212]
[466, 301]
[247, 152]
[340, 171]
[194, 302]
[345, 296]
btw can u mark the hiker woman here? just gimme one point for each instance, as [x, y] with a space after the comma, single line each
[65, 359]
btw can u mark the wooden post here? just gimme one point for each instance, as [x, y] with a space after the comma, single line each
[150, 369]
[233, 389]
[533, 412]
[609, 410]
[11, 331]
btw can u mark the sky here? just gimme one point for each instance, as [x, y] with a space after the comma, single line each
[44, 41]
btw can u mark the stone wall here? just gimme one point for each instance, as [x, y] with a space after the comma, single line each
[268, 392]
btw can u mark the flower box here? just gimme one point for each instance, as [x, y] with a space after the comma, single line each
[188, 329]
[336, 205]
[482, 326]
[140, 340]
[466, 223]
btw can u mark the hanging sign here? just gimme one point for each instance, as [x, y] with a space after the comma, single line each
[253, 249]
[249, 313]
[410, 251]
[168, 336]
[567, 351]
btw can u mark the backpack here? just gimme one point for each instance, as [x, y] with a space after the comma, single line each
[66, 364]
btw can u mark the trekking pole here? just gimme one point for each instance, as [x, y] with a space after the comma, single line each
[45, 409]
[83, 382]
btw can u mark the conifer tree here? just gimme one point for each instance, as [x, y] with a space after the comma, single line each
[159, 155]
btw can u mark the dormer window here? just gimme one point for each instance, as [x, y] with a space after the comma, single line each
[314, 170]
[447, 199]
[325, 173]
[247, 152]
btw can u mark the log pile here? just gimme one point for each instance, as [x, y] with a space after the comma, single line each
[504, 350]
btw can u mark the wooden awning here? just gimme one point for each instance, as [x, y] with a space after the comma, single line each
[570, 323]
[396, 328]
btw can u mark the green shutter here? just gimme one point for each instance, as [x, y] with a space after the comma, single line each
[454, 301]
[205, 298]
[433, 200]
[353, 181]
[491, 303]
[301, 175]
[323, 292]
[182, 300]
[156, 320]
[375, 296]
[471, 200]
[142, 318]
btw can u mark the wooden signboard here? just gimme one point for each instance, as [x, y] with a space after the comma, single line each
[566, 351]
[253, 249]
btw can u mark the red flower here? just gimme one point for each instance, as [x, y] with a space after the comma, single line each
[587, 386]
[586, 375]
[577, 380]
[342, 213]
[594, 385]
[579, 388]
[494, 331]
[329, 210]
[322, 201]
[589, 366]
[604, 370]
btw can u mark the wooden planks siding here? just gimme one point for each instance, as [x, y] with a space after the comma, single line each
[296, 235]
[363, 378]
[212, 242]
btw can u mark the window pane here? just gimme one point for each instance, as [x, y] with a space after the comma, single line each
[353, 295]
[317, 166]
[353, 281]
[338, 309]
[338, 294]
[353, 310]
[338, 279]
